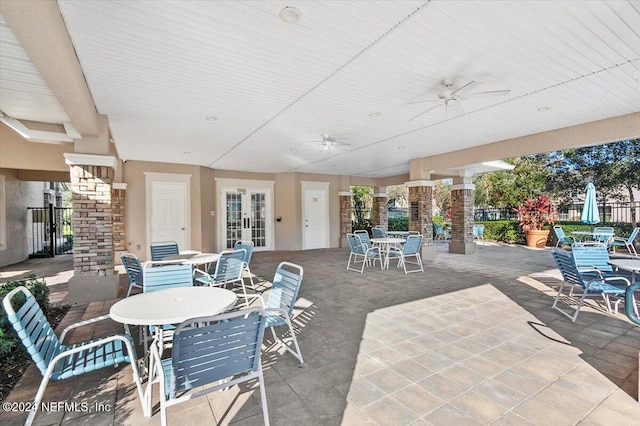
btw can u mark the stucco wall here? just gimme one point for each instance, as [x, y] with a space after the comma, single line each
[18, 196]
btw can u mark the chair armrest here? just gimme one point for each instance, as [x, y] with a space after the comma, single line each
[283, 312]
[256, 296]
[376, 249]
[201, 272]
[617, 278]
[81, 323]
[92, 344]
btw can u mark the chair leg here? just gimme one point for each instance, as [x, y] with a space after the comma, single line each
[295, 353]
[263, 397]
[39, 395]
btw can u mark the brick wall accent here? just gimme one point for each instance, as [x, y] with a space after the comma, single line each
[345, 215]
[117, 203]
[379, 211]
[423, 195]
[462, 215]
[92, 220]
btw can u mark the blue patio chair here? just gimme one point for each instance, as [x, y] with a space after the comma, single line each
[159, 276]
[133, 268]
[627, 243]
[410, 249]
[440, 233]
[562, 237]
[281, 301]
[359, 250]
[160, 250]
[378, 233]
[210, 354]
[57, 361]
[364, 237]
[590, 287]
[478, 232]
[603, 235]
[229, 269]
[248, 248]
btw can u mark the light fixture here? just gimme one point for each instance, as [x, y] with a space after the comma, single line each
[211, 118]
[290, 15]
[375, 114]
[544, 108]
[401, 147]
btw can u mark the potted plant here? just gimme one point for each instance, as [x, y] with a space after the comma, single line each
[534, 214]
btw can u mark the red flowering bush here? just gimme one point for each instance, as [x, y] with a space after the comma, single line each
[534, 213]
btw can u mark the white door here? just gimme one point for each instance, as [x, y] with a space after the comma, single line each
[247, 218]
[168, 207]
[315, 218]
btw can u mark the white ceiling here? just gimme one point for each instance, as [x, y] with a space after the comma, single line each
[157, 69]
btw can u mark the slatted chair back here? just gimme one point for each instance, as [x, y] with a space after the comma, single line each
[412, 245]
[161, 277]
[285, 287]
[159, 250]
[628, 243]
[247, 246]
[561, 236]
[133, 268]
[364, 237]
[219, 351]
[32, 327]
[591, 257]
[603, 234]
[229, 267]
[378, 233]
[567, 267]
[355, 244]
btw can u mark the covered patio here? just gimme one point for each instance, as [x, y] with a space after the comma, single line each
[472, 340]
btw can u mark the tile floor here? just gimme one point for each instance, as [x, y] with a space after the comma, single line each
[472, 340]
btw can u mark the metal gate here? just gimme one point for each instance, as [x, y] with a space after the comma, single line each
[50, 231]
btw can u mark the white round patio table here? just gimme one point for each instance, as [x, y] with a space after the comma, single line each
[632, 265]
[195, 259]
[171, 306]
[385, 246]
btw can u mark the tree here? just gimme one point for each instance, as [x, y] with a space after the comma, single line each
[442, 195]
[362, 201]
[399, 194]
[507, 189]
[614, 169]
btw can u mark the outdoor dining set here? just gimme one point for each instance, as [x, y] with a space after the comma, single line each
[588, 270]
[198, 327]
[384, 247]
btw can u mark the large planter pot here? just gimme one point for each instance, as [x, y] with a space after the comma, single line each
[537, 238]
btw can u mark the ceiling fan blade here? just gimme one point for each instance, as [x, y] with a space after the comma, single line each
[488, 94]
[467, 86]
[423, 112]
[425, 100]
[456, 106]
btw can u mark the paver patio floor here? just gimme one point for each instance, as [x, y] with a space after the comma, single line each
[472, 340]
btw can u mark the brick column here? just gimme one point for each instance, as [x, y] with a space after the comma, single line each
[462, 219]
[421, 212]
[380, 210]
[117, 201]
[94, 275]
[345, 217]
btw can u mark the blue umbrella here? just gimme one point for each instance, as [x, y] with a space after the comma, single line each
[590, 214]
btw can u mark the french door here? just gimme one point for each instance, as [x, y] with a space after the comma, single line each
[247, 218]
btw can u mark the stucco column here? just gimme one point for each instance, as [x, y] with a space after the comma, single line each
[462, 218]
[380, 212]
[345, 217]
[93, 256]
[421, 212]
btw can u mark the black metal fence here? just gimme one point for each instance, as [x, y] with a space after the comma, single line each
[610, 212]
[50, 231]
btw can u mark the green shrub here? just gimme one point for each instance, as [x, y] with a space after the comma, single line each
[40, 291]
[398, 223]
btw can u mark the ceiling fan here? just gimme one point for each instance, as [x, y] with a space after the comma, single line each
[453, 96]
[327, 143]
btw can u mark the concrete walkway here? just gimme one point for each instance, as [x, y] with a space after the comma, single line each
[470, 341]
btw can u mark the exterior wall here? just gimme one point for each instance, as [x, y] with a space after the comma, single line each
[17, 153]
[18, 196]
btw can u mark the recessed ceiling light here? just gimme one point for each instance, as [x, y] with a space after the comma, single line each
[290, 15]
[375, 114]
[211, 118]
[401, 147]
[544, 109]
[186, 152]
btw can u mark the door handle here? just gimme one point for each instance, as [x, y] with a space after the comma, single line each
[183, 228]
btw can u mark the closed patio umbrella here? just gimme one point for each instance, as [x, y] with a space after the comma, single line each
[590, 214]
